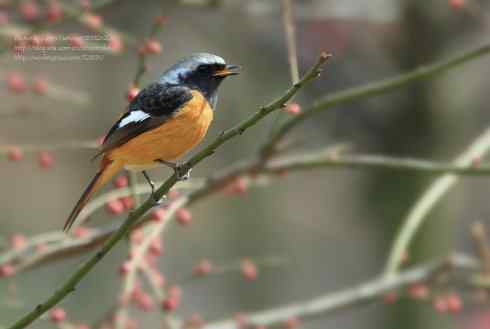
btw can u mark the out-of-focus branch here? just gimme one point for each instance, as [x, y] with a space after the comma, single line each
[138, 258]
[482, 246]
[418, 213]
[61, 247]
[289, 30]
[137, 214]
[374, 89]
[366, 292]
[71, 145]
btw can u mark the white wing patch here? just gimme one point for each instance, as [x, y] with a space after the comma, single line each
[135, 116]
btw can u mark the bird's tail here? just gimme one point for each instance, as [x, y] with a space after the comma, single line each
[108, 169]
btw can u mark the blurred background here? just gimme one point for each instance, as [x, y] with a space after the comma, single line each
[334, 227]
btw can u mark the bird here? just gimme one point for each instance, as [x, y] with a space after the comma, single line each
[163, 122]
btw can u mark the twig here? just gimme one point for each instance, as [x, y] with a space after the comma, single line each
[482, 246]
[135, 216]
[363, 293]
[378, 162]
[374, 89]
[71, 145]
[138, 258]
[435, 192]
[289, 29]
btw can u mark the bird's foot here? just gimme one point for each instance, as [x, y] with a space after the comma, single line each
[182, 172]
[156, 201]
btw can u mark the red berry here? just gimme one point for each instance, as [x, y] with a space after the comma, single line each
[418, 291]
[54, 11]
[160, 19]
[115, 207]
[29, 10]
[6, 270]
[293, 108]
[173, 194]
[80, 231]
[204, 267]
[4, 18]
[249, 270]
[170, 303]
[174, 291]
[144, 301]
[137, 236]
[93, 22]
[153, 47]
[85, 4]
[241, 320]
[132, 93]
[456, 4]
[183, 216]
[17, 241]
[76, 41]
[45, 160]
[115, 42]
[440, 304]
[16, 83]
[454, 303]
[155, 247]
[158, 214]
[291, 323]
[57, 315]
[121, 181]
[125, 268]
[14, 153]
[40, 86]
[48, 39]
[128, 202]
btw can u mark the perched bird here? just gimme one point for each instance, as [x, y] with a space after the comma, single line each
[164, 121]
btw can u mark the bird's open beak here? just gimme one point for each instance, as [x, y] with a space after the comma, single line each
[228, 70]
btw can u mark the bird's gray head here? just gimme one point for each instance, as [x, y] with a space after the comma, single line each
[202, 71]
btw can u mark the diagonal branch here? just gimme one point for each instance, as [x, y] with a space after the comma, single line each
[374, 89]
[135, 216]
[418, 213]
[363, 293]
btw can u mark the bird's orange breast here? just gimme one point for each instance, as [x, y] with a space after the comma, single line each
[180, 133]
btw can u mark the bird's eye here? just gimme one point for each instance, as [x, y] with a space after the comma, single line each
[202, 68]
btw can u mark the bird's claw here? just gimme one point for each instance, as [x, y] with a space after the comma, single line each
[182, 173]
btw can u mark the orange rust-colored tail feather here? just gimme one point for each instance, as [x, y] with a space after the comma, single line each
[108, 169]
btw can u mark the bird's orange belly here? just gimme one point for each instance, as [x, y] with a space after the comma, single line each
[170, 140]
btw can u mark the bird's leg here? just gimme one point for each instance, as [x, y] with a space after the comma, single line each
[180, 171]
[152, 185]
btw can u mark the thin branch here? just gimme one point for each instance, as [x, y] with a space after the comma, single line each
[70, 145]
[367, 292]
[137, 214]
[138, 258]
[378, 162]
[418, 213]
[374, 89]
[289, 30]
[482, 246]
[200, 188]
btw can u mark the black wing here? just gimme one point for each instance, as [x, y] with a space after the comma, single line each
[149, 109]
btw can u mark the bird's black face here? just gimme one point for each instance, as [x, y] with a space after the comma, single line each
[206, 77]
[202, 72]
